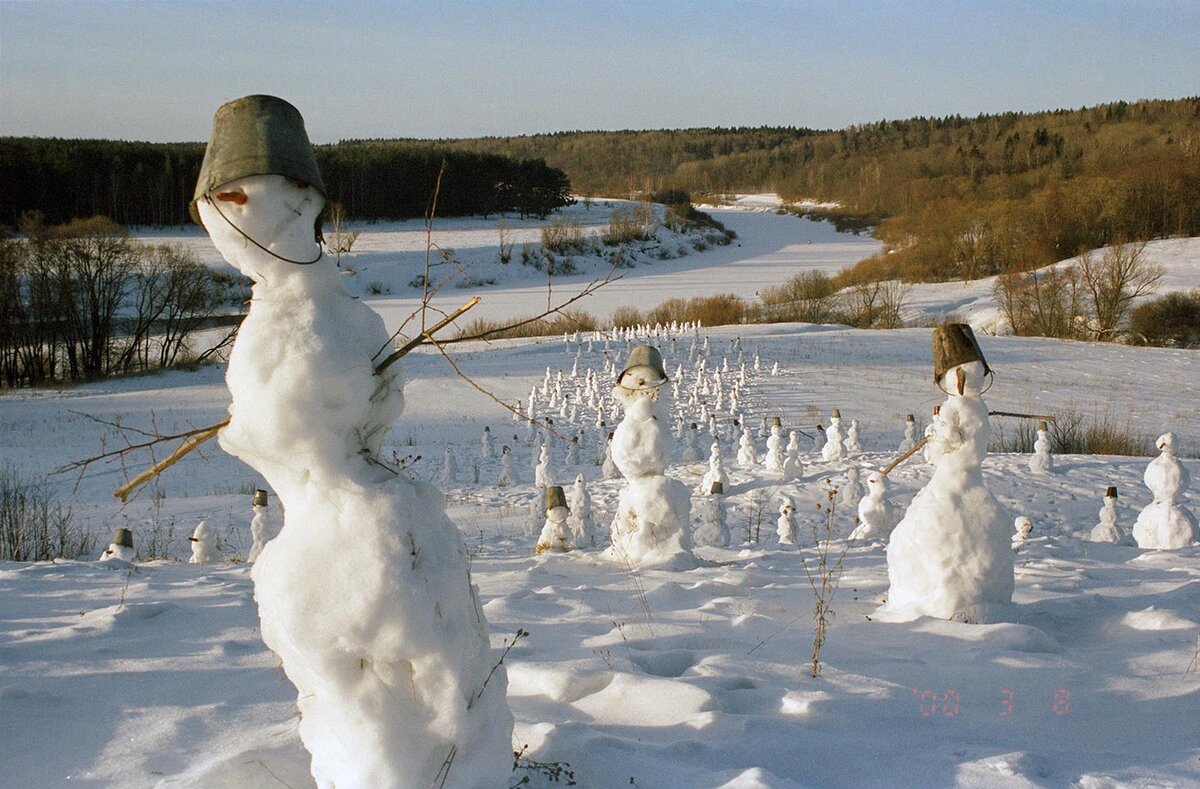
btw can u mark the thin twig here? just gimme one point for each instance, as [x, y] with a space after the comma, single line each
[134, 447]
[1046, 417]
[425, 336]
[905, 456]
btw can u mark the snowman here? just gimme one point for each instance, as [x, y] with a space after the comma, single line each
[716, 470]
[713, 530]
[876, 512]
[1165, 524]
[120, 549]
[775, 447]
[834, 450]
[747, 455]
[581, 519]
[819, 439]
[652, 525]
[1108, 529]
[852, 491]
[556, 533]
[930, 449]
[608, 468]
[691, 450]
[383, 638]
[485, 443]
[204, 545]
[262, 530]
[951, 555]
[910, 434]
[793, 468]
[852, 443]
[543, 475]
[508, 475]
[1041, 462]
[1022, 528]
[785, 527]
[449, 467]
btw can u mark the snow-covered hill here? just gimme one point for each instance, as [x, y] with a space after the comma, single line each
[655, 678]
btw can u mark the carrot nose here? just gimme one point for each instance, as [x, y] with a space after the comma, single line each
[236, 197]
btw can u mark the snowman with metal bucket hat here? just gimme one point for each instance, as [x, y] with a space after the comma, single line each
[652, 522]
[393, 608]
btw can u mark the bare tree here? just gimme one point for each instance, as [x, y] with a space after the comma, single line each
[339, 240]
[1112, 282]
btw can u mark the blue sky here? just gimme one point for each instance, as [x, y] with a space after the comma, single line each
[153, 70]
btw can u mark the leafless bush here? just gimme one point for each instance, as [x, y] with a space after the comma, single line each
[1075, 433]
[1046, 303]
[628, 225]
[34, 525]
[1112, 281]
[339, 240]
[563, 236]
[808, 297]
[558, 323]
[825, 575]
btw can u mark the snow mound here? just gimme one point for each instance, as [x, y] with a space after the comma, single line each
[563, 681]
[630, 700]
[1006, 770]
[1152, 618]
[801, 702]
[1000, 636]
[757, 778]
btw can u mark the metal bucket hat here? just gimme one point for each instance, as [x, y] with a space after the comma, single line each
[555, 497]
[260, 498]
[256, 135]
[955, 344]
[123, 537]
[645, 356]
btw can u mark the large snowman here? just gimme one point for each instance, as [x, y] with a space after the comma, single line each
[652, 525]
[950, 556]
[1164, 523]
[365, 595]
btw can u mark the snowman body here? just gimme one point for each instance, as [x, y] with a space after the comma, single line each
[1041, 462]
[204, 545]
[1164, 524]
[834, 449]
[775, 450]
[556, 533]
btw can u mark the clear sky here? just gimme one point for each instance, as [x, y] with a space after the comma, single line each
[151, 70]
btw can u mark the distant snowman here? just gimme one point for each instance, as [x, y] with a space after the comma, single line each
[1165, 524]
[910, 434]
[834, 449]
[120, 549]
[852, 444]
[951, 556]
[204, 545]
[747, 455]
[775, 447]
[1042, 462]
[508, 475]
[877, 515]
[785, 527]
[716, 470]
[556, 533]
[262, 529]
[713, 530]
[1109, 528]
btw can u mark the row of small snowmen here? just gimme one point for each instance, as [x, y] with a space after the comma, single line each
[204, 540]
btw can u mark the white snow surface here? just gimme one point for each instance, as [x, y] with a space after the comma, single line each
[155, 673]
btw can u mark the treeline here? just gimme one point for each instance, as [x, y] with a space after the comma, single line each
[138, 183]
[84, 301]
[950, 197]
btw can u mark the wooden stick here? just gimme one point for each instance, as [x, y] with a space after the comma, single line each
[183, 449]
[905, 456]
[424, 336]
[1045, 417]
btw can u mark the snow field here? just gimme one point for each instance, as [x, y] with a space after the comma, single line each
[159, 677]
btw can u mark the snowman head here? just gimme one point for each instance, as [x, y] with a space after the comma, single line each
[964, 380]
[786, 508]
[877, 484]
[263, 224]
[1166, 442]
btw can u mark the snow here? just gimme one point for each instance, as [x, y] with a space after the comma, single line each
[155, 673]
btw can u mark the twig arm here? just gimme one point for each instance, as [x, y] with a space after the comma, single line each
[182, 450]
[905, 456]
[424, 336]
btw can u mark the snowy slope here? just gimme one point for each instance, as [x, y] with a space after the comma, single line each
[672, 679]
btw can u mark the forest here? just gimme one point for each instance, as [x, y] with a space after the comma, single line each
[141, 183]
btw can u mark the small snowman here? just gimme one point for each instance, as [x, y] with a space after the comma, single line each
[852, 490]
[775, 447]
[485, 443]
[747, 455]
[1108, 529]
[713, 530]
[556, 533]
[793, 468]
[852, 443]
[543, 475]
[120, 549]
[785, 527]
[931, 448]
[834, 450]
[1022, 528]
[204, 545]
[691, 440]
[608, 468]
[262, 530]
[1165, 524]
[819, 439]
[508, 475]
[449, 473]
[876, 513]
[910, 434]
[716, 470]
[1041, 462]
[585, 532]
[573, 451]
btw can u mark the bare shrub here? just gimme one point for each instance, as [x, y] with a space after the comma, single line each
[628, 225]
[626, 317]
[808, 297]
[1076, 433]
[506, 241]
[556, 323]
[563, 236]
[875, 305]
[1172, 320]
[339, 240]
[1112, 281]
[1045, 303]
[34, 525]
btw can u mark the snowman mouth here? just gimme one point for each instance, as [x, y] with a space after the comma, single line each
[233, 197]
